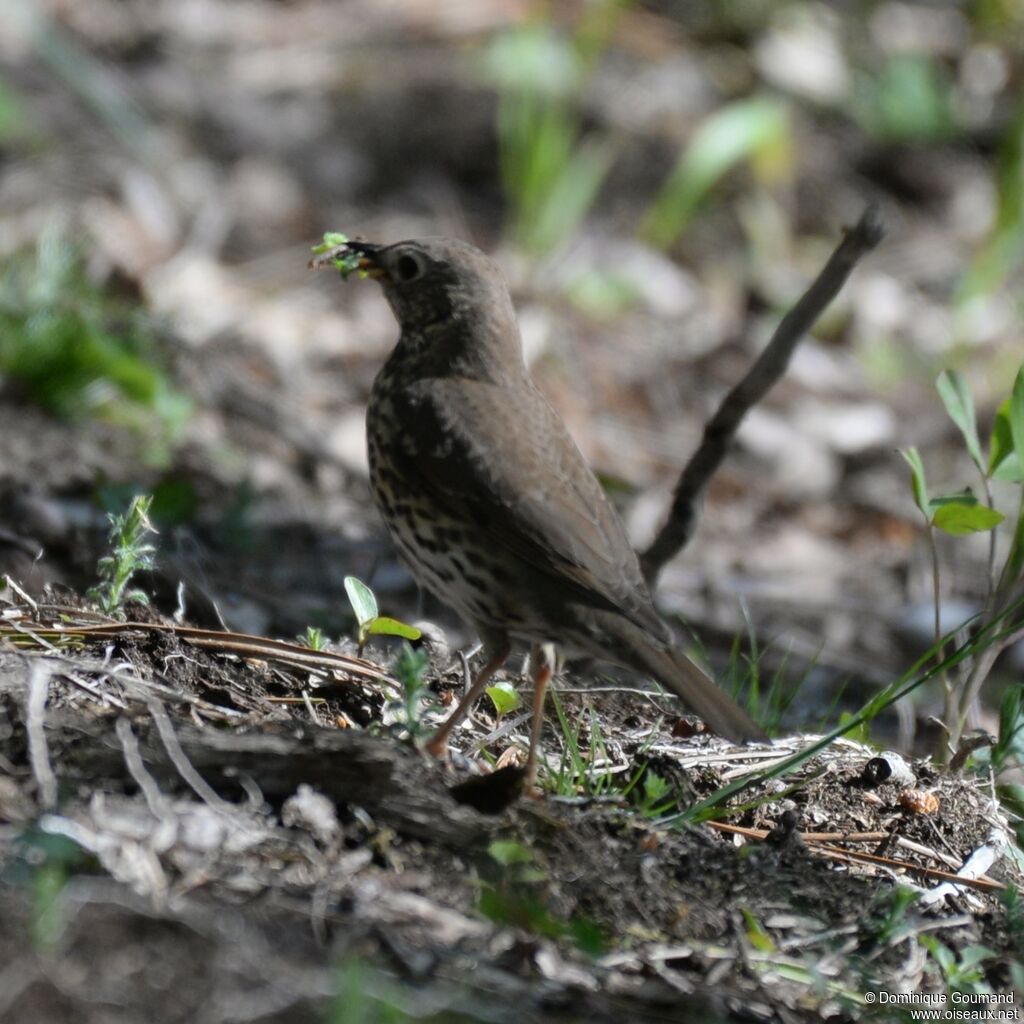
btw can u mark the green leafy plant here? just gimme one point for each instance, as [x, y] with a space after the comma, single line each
[578, 771]
[313, 638]
[406, 713]
[512, 894]
[131, 552]
[658, 797]
[81, 352]
[504, 697]
[960, 972]
[962, 513]
[894, 906]
[508, 852]
[368, 618]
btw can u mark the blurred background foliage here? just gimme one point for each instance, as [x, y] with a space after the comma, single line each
[81, 351]
[733, 104]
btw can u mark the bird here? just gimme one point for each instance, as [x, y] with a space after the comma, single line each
[489, 501]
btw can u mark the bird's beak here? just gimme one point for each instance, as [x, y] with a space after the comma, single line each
[349, 257]
[368, 253]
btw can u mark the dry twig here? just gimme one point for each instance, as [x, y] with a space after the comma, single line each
[763, 375]
[35, 715]
[243, 644]
[818, 842]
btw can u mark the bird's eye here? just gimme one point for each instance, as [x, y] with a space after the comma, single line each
[408, 268]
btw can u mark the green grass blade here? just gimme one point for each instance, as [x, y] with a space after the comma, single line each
[900, 688]
[736, 132]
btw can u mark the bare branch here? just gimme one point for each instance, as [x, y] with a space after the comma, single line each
[763, 375]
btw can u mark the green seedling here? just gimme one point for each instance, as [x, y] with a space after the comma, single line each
[504, 697]
[514, 896]
[658, 797]
[894, 925]
[370, 622]
[406, 713]
[961, 971]
[334, 251]
[507, 852]
[313, 638]
[132, 552]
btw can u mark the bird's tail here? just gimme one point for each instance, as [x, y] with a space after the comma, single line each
[674, 670]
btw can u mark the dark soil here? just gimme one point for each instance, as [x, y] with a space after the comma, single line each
[201, 821]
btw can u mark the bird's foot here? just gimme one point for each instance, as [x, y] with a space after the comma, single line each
[437, 746]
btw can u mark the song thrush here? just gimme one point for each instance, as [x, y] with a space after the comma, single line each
[490, 502]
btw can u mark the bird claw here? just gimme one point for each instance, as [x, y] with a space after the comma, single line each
[437, 746]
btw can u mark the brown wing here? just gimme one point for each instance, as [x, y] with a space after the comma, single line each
[507, 463]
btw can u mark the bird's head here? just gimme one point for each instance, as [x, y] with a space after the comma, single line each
[447, 296]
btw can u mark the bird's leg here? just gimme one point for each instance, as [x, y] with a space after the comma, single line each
[542, 668]
[498, 654]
